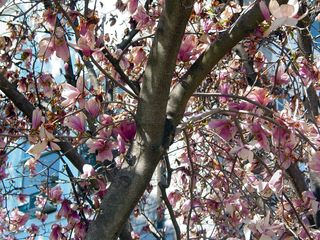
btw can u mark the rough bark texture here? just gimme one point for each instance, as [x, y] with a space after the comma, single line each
[131, 182]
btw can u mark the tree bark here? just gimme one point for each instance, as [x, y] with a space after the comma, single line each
[131, 182]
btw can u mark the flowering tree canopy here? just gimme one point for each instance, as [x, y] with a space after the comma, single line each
[221, 96]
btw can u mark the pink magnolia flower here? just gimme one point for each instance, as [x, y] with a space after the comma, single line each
[84, 46]
[93, 107]
[57, 44]
[37, 149]
[17, 219]
[260, 135]
[138, 56]
[37, 118]
[132, 6]
[314, 163]
[55, 194]
[259, 95]
[224, 127]
[284, 14]
[70, 93]
[187, 49]
[33, 229]
[106, 119]
[265, 10]
[121, 144]
[102, 147]
[281, 78]
[46, 82]
[127, 130]
[142, 18]
[46, 138]
[276, 182]
[57, 233]
[50, 18]
[77, 122]
[224, 89]
[88, 171]
[65, 209]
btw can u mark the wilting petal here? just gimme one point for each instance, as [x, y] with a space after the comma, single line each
[37, 149]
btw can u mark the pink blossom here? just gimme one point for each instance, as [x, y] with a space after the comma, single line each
[264, 10]
[47, 46]
[281, 78]
[260, 135]
[197, 7]
[46, 82]
[259, 95]
[41, 216]
[17, 219]
[132, 6]
[80, 230]
[314, 163]
[127, 130]
[55, 194]
[84, 46]
[70, 93]
[93, 107]
[88, 171]
[187, 49]
[37, 149]
[37, 118]
[106, 119]
[174, 197]
[224, 89]
[103, 148]
[77, 122]
[224, 128]
[2, 2]
[65, 209]
[285, 14]
[276, 182]
[121, 144]
[138, 55]
[142, 18]
[33, 229]
[50, 18]
[57, 233]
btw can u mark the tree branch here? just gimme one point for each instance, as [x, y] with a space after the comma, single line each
[151, 114]
[247, 22]
[27, 108]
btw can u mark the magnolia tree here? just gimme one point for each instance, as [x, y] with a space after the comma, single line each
[220, 95]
